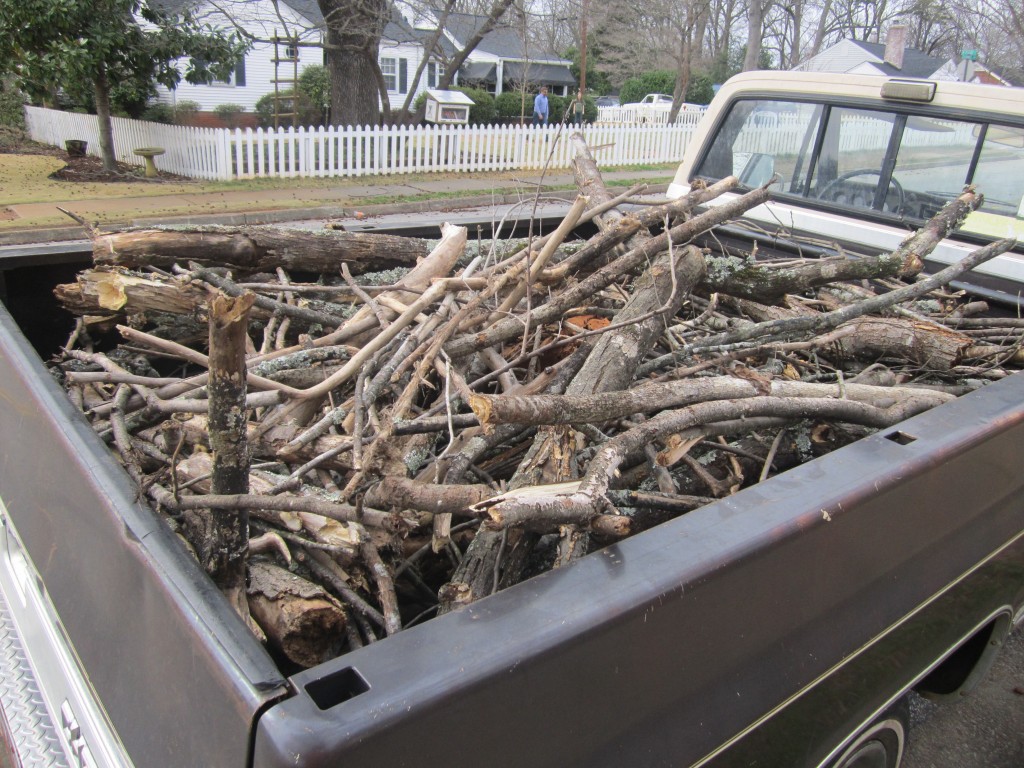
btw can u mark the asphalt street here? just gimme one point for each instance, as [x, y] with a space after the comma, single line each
[982, 730]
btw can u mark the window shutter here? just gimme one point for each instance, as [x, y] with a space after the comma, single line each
[403, 75]
[240, 72]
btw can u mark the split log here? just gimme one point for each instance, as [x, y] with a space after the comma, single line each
[258, 249]
[106, 290]
[299, 618]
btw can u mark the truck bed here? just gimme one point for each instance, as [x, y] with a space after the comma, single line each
[810, 601]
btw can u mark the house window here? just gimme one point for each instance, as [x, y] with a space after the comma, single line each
[396, 73]
[291, 52]
[435, 72]
[389, 68]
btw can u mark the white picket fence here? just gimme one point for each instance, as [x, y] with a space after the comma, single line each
[220, 153]
[689, 115]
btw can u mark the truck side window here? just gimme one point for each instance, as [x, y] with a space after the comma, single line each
[851, 164]
[999, 176]
[933, 162]
[762, 138]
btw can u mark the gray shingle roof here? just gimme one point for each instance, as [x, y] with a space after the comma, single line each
[503, 41]
[915, 63]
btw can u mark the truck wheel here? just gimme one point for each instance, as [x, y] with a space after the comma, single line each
[881, 744]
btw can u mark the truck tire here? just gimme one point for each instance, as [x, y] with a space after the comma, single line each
[881, 744]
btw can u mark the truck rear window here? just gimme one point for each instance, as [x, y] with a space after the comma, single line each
[886, 161]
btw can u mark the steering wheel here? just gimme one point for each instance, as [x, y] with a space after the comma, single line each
[832, 191]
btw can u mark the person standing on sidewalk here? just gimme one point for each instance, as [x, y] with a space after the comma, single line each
[540, 107]
[579, 108]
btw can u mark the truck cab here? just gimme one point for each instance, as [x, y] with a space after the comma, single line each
[860, 161]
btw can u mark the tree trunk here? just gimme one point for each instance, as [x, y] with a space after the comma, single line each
[353, 41]
[493, 15]
[103, 119]
[755, 27]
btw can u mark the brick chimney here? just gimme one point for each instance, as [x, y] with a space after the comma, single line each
[895, 43]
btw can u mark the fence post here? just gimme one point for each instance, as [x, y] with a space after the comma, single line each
[223, 154]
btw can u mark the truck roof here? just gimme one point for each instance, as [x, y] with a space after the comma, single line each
[947, 93]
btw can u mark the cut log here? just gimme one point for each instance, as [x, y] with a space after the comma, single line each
[258, 249]
[299, 617]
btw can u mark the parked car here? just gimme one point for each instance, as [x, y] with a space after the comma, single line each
[607, 101]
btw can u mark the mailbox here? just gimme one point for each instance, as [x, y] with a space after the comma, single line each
[450, 107]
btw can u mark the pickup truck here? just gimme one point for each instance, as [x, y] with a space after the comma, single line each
[782, 626]
[654, 107]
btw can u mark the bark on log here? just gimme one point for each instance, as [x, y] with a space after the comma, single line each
[767, 283]
[258, 249]
[923, 344]
[226, 550]
[106, 291]
[299, 618]
[659, 396]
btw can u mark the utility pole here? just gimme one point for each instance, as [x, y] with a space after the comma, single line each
[583, 48]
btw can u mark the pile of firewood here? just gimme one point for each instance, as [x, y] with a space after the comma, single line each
[355, 432]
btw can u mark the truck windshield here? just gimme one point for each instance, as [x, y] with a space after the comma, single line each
[889, 162]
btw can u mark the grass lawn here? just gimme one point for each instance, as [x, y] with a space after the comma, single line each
[27, 185]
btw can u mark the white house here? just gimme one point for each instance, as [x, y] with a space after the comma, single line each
[503, 60]
[891, 59]
[401, 51]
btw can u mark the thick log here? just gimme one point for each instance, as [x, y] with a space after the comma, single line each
[652, 397]
[894, 338]
[106, 291]
[768, 283]
[258, 249]
[299, 618]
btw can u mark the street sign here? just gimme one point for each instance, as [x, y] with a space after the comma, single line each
[970, 54]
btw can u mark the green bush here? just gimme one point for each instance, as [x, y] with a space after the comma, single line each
[12, 112]
[185, 111]
[482, 112]
[511, 104]
[700, 90]
[159, 113]
[229, 114]
[315, 83]
[309, 113]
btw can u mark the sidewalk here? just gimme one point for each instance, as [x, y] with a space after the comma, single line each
[347, 198]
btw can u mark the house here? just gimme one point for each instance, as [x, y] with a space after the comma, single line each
[503, 61]
[401, 50]
[891, 59]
